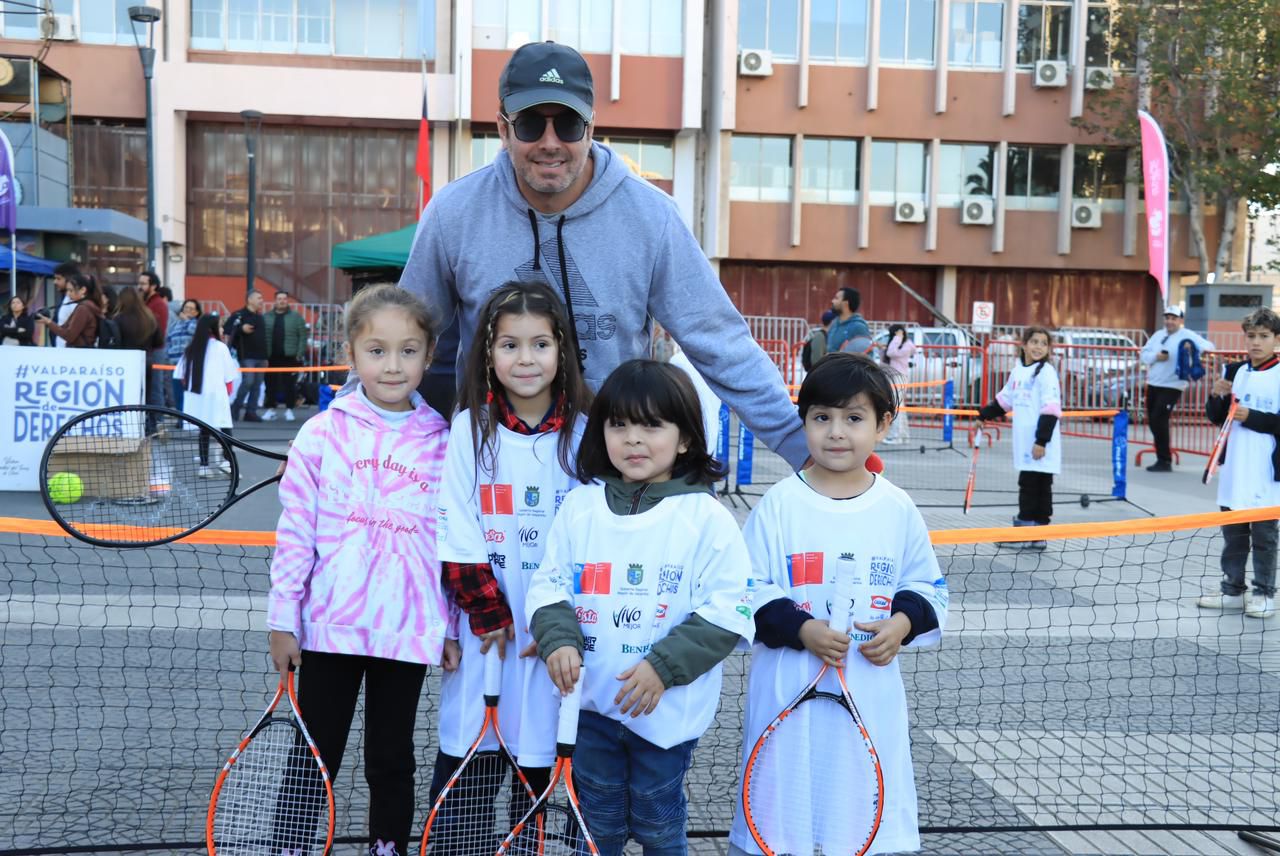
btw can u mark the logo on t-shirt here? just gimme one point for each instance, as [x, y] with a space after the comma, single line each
[881, 603]
[496, 499]
[586, 616]
[635, 574]
[591, 577]
[588, 643]
[627, 617]
[669, 579]
[531, 496]
[560, 495]
[498, 560]
[804, 569]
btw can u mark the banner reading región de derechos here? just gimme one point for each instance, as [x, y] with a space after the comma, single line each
[42, 388]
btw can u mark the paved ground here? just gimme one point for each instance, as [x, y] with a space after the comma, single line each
[1077, 685]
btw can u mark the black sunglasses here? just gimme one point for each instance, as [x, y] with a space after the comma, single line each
[529, 126]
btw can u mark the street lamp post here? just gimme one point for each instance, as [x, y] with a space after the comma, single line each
[148, 16]
[252, 125]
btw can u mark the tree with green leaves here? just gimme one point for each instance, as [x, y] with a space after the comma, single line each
[1209, 71]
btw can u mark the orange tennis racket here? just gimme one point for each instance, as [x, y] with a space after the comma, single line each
[273, 794]
[487, 794]
[813, 782]
[973, 471]
[1220, 444]
[564, 832]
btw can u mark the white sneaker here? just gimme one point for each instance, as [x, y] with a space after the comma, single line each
[268, 415]
[1260, 606]
[288, 415]
[206, 472]
[225, 468]
[1221, 601]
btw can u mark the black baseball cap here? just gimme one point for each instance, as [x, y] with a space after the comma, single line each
[546, 73]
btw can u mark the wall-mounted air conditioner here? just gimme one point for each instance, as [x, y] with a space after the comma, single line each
[1099, 77]
[977, 211]
[755, 63]
[909, 212]
[1050, 74]
[1086, 215]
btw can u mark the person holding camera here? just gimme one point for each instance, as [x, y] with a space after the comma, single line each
[1164, 381]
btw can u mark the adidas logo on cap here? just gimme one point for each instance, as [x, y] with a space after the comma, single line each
[551, 76]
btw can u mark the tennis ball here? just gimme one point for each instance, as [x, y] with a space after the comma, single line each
[66, 488]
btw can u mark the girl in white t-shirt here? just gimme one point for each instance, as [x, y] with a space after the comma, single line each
[645, 583]
[207, 372]
[509, 464]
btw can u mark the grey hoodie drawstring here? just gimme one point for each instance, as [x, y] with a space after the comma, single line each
[564, 279]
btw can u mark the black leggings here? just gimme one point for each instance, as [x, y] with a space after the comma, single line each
[205, 437]
[1160, 403]
[1035, 496]
[329, 685]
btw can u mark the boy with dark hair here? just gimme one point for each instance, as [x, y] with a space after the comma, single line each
[796, 537]
[1250, 473]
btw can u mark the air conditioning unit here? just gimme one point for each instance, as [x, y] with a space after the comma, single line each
[977, 211]
[1050, 74]
[59, 28]
[1086, 215]
[909, 212]
[1099, 77]
[755, 63]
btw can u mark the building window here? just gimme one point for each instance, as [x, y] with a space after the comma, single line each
[838, 31]
[965, 169]
[651, 27]
[1032, 176]
[1099, 174]
[772, 25]
[651, 159]
[484, 148]
[906, 31]
[977, 34]
[899, 170]
[381, 29]
[585, 25]
[829, 171]
[761, 170]
[103, 23]
[1108, 42]
[1044, 31]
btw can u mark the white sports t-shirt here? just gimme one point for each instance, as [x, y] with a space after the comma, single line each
[1247, 478]
[1029, 396]
[795, 536]
[211, 404]
[632, 579]
[502, 518]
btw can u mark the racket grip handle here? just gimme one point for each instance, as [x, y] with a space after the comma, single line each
[847, 589]
[567, 727]
[492, 674]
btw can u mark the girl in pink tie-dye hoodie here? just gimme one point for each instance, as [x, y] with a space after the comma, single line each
[355, 582]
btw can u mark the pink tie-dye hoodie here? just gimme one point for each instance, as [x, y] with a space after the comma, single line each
[355, 568]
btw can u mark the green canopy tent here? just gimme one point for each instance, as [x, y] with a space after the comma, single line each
[387, 252]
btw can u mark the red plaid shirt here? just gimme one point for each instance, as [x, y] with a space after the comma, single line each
[472, 585]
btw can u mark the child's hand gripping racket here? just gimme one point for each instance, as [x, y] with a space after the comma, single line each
[1220, 444]
[273, 794]
[486, 795]
[813, 782]
[564, 831]
[106, 481]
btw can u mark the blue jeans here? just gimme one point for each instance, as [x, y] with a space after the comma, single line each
[250, 383]
[628, 787]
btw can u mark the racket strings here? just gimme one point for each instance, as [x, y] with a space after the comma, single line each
[132, 488]
[813, 783]
[274, 800]
[560, 835]
[481, 807]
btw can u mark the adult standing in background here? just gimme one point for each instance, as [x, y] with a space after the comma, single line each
[899, 355]
[17, 327]
[286, 335]
[81, 329]
[176, 340]
[149, 285]
[246, 334]
[815, 347]
[849, 332]
[62, 276]
[1165, 383]
[556, 207]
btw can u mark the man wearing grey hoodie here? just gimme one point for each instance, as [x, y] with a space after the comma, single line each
[555, 206]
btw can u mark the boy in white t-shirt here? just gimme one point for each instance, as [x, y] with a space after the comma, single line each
[795, 535]
[1250, 474]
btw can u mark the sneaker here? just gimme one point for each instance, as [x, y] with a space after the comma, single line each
[268, 415]
[206, 472]
[1221, 601]
[1260, 606]
[250, 416]
[1018, 545]
[288, 415]
[1160, 467]
[225, 468]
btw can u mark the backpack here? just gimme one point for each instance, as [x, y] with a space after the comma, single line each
[109, 334]
[806, 353]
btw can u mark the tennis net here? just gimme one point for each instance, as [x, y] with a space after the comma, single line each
[1076, 687]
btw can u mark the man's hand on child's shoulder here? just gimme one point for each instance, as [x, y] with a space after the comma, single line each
[886, 641]
[830, 646]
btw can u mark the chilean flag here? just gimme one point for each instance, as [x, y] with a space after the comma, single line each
[422, 162]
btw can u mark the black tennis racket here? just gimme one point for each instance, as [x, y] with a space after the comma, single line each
[106, 480]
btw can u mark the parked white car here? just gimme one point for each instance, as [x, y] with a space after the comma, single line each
[1099, 368]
